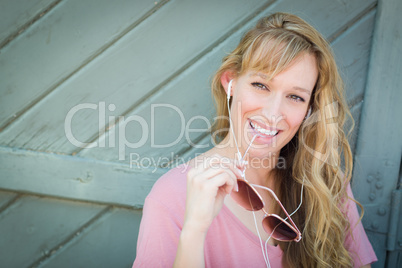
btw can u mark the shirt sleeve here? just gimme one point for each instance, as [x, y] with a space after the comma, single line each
[356, 241]
[158, 236]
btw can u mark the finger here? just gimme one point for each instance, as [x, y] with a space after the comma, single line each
[234, 168]
[221, 181]
[200, 179]
[217, 161]
[237, 173]
[202, 164]
[230, 164]
[213, 172]
[234, 164]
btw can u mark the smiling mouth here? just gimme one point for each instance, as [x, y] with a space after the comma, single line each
[263, 131]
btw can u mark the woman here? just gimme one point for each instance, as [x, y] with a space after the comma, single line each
[284, 138]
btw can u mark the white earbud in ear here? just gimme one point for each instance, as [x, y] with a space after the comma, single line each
[308, 113]
[229, 88]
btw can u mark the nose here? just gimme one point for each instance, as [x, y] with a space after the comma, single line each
[272, 110]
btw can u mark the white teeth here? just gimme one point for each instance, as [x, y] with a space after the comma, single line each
[263, 130]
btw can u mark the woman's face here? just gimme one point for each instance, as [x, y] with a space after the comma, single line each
[272, 109]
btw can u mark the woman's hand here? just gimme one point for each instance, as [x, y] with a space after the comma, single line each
[207, 185]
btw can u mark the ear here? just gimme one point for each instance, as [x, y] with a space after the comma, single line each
[225, 79]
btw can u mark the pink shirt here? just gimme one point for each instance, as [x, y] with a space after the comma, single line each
[228, 243]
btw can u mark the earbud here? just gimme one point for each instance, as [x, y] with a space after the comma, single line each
[229, 88]
[308, 113]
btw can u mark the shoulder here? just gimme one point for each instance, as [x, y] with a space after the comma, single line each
[162, 220]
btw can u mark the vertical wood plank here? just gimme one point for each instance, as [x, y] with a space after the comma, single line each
[379, 147]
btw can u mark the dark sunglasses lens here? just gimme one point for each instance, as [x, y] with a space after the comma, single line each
[246, 197]
[281, 230]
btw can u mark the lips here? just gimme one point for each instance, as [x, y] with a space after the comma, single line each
[263, 131]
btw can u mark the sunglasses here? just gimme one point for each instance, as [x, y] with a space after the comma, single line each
[250, 199]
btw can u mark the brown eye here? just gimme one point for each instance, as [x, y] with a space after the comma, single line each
[296, 98]
[259, 85]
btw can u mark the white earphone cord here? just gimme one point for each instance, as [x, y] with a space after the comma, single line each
[241, 158]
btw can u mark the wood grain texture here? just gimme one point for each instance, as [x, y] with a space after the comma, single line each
[5, 198]
[114, 237]
[352, 53]
[64, 40]
[35, 225]
[75, 178]
[17, 14]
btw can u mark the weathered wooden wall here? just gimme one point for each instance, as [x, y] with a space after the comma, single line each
[65, 205]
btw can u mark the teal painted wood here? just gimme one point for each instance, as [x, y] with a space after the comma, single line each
[17, 14]
[128, 71]
[352, 51]
[379, 147]
[34, 226]
[75, 178]
[110, 242]
[53, 48]
[168, 125]
[5, 198]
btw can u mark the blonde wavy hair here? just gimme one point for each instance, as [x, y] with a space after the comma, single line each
[314, 154]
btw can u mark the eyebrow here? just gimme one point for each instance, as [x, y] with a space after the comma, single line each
[264, 76]
[303, 90]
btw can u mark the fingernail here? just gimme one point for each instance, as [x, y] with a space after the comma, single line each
[236, 188]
